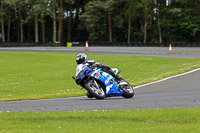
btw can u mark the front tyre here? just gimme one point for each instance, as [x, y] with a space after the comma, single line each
[89, 95]
[127, 89]
[94, 89]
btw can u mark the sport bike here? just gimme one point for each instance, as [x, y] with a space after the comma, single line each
[100, 84]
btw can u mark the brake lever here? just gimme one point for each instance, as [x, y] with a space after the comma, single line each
[118, 73]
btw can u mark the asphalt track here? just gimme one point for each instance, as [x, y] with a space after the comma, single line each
[181, 91]
[136, 51]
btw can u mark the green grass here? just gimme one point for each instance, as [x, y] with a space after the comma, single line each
[149, 121]
[35, 75]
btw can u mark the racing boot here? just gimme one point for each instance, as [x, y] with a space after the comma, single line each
[117, 77]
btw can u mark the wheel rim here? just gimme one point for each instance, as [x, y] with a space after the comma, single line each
[96, 88]
[128, 88]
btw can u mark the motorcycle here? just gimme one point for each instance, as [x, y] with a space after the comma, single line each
[100, 84]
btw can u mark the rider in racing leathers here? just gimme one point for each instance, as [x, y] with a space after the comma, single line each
[82, 59]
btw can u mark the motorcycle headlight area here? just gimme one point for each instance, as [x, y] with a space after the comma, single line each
[79, 74]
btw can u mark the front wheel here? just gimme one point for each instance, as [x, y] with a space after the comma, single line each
[89, 95]
[127, 89]
[94, 89]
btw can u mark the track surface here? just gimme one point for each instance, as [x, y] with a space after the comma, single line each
[182, 91]
[136, 51]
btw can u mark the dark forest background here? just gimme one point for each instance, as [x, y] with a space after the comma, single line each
[51, 21]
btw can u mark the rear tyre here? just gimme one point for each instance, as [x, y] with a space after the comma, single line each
[127, 89]
[94, 89]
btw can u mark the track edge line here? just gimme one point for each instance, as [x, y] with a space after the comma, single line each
[158, 81]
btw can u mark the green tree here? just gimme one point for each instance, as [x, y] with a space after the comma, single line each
[70, 17]
[181, 21]
[53, 5]
[131, 13]
[147, 8]
[98, 10]
[2, 13]
[93, 15]
[60, 20]
[36, 11]
[20, 4]
[160, 11]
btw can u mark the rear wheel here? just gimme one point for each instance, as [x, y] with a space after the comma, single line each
[94, 89]
[127, 89]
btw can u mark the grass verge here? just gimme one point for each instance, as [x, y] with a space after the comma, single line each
[35, 75]
[151, 121]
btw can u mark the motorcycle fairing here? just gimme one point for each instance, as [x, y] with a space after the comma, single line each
[109, 82]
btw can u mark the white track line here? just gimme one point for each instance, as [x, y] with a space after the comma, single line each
[136, 87]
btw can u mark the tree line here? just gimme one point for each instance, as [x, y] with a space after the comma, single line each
[100, 20]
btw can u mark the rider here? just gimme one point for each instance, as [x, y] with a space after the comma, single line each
[82, 59]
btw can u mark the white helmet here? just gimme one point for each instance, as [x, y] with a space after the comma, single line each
[80, 58]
